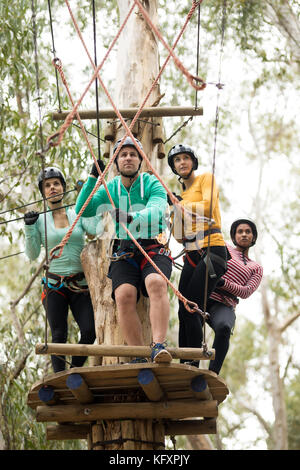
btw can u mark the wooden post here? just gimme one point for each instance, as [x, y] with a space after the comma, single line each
[119, 350]
[79, 388]
[150, 385]
[200, 388]
[47, 395]
[129, 113]
[97, 436]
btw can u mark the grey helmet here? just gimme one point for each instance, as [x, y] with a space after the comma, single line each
[128, 142]
[178, 149]
[51, 172]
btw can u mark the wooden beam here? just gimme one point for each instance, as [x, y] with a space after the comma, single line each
[61, 432]
[118, 350]
[150, 384]
[116, 411]
[79, 388]
[156, 111]
[191, 427]
[47, 395]
[200, 388]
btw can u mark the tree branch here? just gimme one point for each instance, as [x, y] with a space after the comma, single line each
[27, 288]
[289, 321]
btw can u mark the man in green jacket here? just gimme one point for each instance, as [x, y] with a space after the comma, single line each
[140, 204]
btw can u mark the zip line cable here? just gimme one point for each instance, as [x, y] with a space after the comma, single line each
[36, 202]
[54, 54]
[214, 163]
[46, 267]
[42, 212]
[96, 81]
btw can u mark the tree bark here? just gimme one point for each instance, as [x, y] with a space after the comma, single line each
[137, 67]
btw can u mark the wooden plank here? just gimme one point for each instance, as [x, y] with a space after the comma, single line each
[61, 432]
[118, 350]
[191, 427]
[174, 380]
[157, 111]
[150, 385]
[149, 410]
[79, 388]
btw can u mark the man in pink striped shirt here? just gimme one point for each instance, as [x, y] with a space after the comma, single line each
[241, 279]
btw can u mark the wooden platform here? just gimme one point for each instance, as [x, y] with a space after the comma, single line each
[128, 391]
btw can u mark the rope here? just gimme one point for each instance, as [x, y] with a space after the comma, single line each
[102, 175]
[63, 127]
[198, 49]
[191, 78]
[122, 440]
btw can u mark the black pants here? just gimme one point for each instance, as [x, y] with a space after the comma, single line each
[222, 321]
[192, 286]
[57, 314]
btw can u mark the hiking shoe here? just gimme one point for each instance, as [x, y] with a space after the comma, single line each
[159, 353]
[138, 360]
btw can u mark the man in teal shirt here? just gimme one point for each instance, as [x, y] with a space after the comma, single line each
[140, 203]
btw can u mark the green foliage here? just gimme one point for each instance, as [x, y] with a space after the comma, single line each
[271, 72]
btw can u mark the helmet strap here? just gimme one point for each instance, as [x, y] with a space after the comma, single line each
[56, 202]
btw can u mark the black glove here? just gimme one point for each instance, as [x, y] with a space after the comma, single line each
[31, 217]
[171, 202]
[121, 216]
[94, 170]
[221, 282]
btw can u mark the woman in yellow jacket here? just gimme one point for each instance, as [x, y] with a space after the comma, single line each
[200, 198]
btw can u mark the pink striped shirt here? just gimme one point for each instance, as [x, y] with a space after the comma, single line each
[241, 279]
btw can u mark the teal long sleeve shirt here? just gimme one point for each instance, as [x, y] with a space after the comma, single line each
[146, 201]
[69, 262]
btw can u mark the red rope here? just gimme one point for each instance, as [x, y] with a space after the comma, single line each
[191, 78]
[70, 117]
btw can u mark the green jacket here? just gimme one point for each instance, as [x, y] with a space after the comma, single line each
[146, 201]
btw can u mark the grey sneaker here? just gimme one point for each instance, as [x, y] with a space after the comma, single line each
[159, 353]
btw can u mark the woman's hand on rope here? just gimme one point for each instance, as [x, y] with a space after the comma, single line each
[171, 202]
[121, 216]
[31, 217]
[94, 170]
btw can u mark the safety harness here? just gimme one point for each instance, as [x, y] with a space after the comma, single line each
[127, 250]
[71, 282]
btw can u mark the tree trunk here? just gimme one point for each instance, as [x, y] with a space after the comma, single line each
[137, 67]
[280, 434]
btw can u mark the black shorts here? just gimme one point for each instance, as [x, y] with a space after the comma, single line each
[130, 272]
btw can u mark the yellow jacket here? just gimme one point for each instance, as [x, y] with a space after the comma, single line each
[196, 201]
